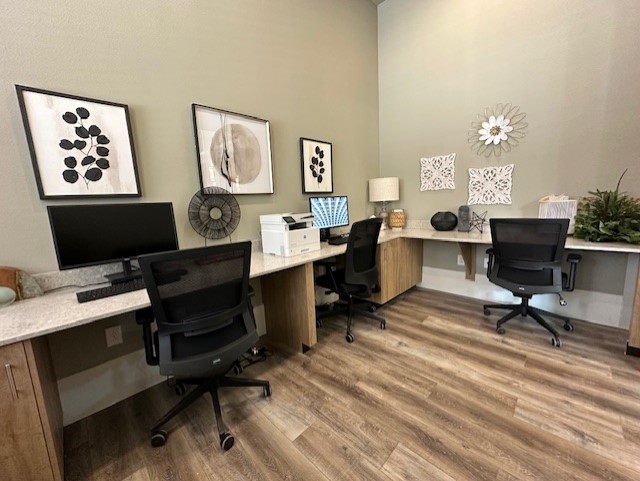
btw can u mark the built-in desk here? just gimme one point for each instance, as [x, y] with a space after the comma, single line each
[468, 242]
[29, 400]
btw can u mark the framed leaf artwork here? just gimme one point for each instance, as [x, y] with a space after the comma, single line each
[317, 166]
[80, 147]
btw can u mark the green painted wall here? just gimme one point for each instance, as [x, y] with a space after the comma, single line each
[573, 66]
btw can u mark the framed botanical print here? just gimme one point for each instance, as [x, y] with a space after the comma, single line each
[317, 171]
[80, 147]
[233, 150]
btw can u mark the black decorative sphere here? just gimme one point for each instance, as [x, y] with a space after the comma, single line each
[444, 221]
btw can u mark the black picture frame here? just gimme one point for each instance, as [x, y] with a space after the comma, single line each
[59, 128]
[233, 150]
[316, 158]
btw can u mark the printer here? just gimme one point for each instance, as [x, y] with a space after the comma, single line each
[289, 234]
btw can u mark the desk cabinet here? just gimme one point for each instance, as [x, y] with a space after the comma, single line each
[400, 266]
[30, 414]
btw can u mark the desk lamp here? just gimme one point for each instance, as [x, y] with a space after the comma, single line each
[384, 189]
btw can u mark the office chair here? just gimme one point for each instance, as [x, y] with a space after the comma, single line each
[359, 277]
[200, 301]
[526, 258]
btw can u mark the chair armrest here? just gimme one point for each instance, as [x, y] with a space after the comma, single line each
[327, 262]
[570, 280]
[490, 260]
[144, 318]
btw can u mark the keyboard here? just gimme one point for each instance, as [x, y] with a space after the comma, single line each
[112, 290]
[334, 241]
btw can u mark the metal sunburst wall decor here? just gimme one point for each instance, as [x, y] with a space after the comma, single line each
[497, 129]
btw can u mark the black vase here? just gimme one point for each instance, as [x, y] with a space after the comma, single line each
[444, 221]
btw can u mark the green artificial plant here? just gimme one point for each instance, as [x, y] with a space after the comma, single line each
[609, 216]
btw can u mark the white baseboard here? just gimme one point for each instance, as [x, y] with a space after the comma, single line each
[596, 307]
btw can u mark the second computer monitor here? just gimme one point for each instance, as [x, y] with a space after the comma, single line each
[329, 212]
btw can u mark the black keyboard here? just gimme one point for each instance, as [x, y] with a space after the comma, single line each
[112, 290]
[334, 241]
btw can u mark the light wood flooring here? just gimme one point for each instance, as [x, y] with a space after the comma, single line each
[439, 395]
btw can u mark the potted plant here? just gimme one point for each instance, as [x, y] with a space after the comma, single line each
[609, 216]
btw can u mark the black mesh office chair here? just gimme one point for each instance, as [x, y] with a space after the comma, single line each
[526, 258]
[200, 301]
[359, 277]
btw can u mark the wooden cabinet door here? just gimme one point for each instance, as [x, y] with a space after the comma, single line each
[400, 267]
[23, 451]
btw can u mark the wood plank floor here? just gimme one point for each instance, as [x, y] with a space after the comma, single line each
[437, 396]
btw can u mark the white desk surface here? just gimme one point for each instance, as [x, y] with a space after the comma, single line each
[59, 310]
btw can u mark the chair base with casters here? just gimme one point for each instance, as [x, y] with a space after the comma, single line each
[205, 384]
[524, 309]
[211, 386]
[352, 306]
[514, 266]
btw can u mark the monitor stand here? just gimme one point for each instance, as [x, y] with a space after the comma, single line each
[128, 273]
[325, 234]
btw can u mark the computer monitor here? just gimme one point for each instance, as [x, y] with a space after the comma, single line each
[329, 212]
[86, 235]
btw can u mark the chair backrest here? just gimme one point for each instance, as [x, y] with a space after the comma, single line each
[201, 306]
[528, 254]
[360, 256]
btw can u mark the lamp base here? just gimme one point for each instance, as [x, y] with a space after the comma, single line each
[384, 215]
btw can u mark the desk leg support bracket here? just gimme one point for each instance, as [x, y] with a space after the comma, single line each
[468, 252]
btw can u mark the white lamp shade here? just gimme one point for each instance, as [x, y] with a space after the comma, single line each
[384, 189]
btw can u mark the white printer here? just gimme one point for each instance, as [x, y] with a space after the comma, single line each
[289, 234]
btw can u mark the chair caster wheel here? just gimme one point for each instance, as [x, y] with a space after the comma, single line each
[349, 338]
[180, 389]
[486, 311]
[556, 342]
[568, 327]
[266, 391]
[372, 308]
[237, 369]
[226, 441]
[383, 325]
[158, 438]
[500, 330]
[318, 322]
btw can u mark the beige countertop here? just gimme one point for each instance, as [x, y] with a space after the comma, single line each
[59, 309]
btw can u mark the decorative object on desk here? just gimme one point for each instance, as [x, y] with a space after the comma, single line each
[214, 213]
[463, 218]
[233, 150]
[609, 216]
[558, 207]
[20, 282]
[317, 169]
[438, 173]
[384, 189]
[7, 296]
[497, 129]
[397, 219]
[478, 221]
[444, 221]
[79, 147]
[490, 185]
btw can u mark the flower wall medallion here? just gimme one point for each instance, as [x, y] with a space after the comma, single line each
[490, 185]
[496, 130]
[437, 173]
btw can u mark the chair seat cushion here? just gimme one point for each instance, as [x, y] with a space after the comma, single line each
[343, 288]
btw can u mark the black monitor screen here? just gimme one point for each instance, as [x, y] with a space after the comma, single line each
[86, 235]
[329, 211]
